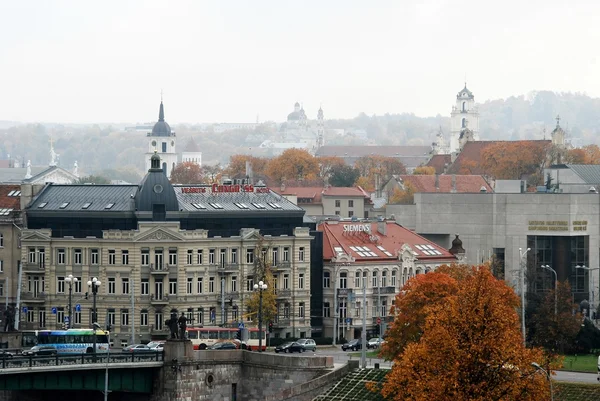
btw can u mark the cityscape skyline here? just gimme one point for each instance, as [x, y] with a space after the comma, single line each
[77, 63]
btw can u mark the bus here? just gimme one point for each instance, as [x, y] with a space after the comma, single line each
[204, 337]
[74, 341]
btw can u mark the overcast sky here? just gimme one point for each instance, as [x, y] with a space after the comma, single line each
[229, 61]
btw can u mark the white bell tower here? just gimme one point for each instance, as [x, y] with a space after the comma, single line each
[464, 115]
[162, 140]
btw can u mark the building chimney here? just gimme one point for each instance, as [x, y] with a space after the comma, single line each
[453, 183]
[437, 182]
[282, 188]
[382, 227]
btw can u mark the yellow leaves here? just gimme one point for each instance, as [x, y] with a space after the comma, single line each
[424, 170]
[293, 164]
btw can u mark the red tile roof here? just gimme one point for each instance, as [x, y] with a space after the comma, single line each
[10, 202]
[469, 159]
[464, 183]
[316, 193]
[439, 162]
[384, 247]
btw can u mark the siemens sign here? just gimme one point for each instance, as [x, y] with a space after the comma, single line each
[348, 228]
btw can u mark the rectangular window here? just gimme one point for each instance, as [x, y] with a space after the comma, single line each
[374, 280]
[199, 285]
[77, 317]
[249, 256]
[357, 309]
[234, 260]
[145, 257]
[145, 287]
[1, 266]
[223, 256]
[60, 315]
[301, 309]
[125, 285]
[158, 259]
[233, 283]
[111, 285]
[211, 256]
[144, 318]
[286, 281]
[286, 254]
[173, 257]
[61, 256]
[249, 283]
[343, 280]
[364, 279]
[158, 321]
[95, 258]
[189, 285]
[357, 280]
[1, 289]
[111, 317]
[384, 278]
[200, 254]
[112, 258]
[125, 257]
[211, 284]
[337, 203]
[274, 255]
[301, 254]
[200, 316]
[78, 259]
[350, 203]
[394, 279]
[42, 317]
[172, 286]
[301, 281]
[326, 309]
[190, 256]
[124, 317]
[60, 284]
[350, 213]
[31, 258]
[77, 285]
[326, 279]
[164, 147]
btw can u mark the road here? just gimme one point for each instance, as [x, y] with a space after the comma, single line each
[340, 356]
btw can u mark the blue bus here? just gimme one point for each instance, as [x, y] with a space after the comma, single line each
[74, 341]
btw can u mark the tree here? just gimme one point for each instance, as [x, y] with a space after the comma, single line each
[378, 169]
[556, 332]
[93, 179]
[424, 170]
[343, 176]
[470, 348]
[187, 173]
[516, 160]
[589, 154]
[262, 272]
[237, 166]
[293, 164]
[212, 174]
[327, 165]
[404, 196]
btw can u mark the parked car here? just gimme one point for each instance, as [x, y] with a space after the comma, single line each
[224, 345]
[6, 354]
[137, 348]
[353, 345]
[308, 344]
[40, 350]
[375, 342]
[156, 346]
[289, 347]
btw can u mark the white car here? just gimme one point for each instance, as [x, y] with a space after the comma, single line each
[374, 342]
[308, 344]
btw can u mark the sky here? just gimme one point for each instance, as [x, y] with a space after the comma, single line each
[236, 60]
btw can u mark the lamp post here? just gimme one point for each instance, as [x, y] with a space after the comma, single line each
[547, 267]
[94, 284]
[523, 266]
[584, 267]
[260, 287]
[540, 369]
[70, 279]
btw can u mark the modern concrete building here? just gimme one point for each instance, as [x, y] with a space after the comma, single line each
[561, 230]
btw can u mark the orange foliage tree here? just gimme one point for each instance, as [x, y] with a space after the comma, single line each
[424, 170]
[516, 159]
[372, 166]
[293, 164]
[469, 346]
[237, 166]
[404, 196]
[589, 154]
[327, 164]
[187, 173]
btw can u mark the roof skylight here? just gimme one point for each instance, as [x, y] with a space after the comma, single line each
[86, 205]
[41, 205]
[109, 206]
[64, 205]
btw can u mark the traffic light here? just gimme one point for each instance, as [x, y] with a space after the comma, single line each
[270, 327]
[86, 295]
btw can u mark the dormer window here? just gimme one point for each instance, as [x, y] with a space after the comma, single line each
[41, 205]
[64, 205]
[86, 205]
[109, 206]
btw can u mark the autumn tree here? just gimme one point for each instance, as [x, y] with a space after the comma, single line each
[327, 164]
[377, 170]
[237, 166]
[424, 170]
[470, 347]
[293, 164]
[262, 272]
[403, 196]
[589, 154]
[212, 174]
[516, 160]
[187, 173]
[556, 332]
[343, 176]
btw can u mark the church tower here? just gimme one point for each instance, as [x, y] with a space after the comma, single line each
[320, 129]
[162, 140]
[464, 119]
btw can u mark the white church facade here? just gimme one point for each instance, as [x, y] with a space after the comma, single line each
[464, 120]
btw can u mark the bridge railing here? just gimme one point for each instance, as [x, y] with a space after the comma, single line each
[27, 361]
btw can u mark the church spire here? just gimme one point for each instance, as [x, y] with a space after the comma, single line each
[161, 112]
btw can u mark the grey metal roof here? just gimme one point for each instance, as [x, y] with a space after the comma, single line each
[589, 173]
[18, 174]
[76, 196]
[228, 200]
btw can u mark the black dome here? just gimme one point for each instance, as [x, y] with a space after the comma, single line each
[155, 191]
[161, 128]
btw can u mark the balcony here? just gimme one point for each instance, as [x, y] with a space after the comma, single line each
[36, 267]
[384, 290]
[158, 270]
[286, 294]
[344, 292]
[227, 267]
[31, 297]
[159, 299]
[282, 322]
[282, 266]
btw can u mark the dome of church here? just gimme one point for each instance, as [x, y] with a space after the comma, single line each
[155, 192]
[457, 247]
[161, 128]
[294, 116]
[465, 93]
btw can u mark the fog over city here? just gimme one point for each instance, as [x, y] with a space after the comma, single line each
[82, 62]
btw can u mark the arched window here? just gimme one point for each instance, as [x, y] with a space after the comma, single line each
[357, 279]
[394, 283]
[464, 123]
[384, 278]
[374, 280]
[464, 106]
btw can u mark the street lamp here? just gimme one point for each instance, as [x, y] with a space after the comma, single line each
[94, 284]
[540, 369]
[260, 287]
[584, 267]
[547, 267]
[523, 266]
[70, 279]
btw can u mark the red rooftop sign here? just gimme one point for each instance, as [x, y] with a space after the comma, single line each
[217, 188]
